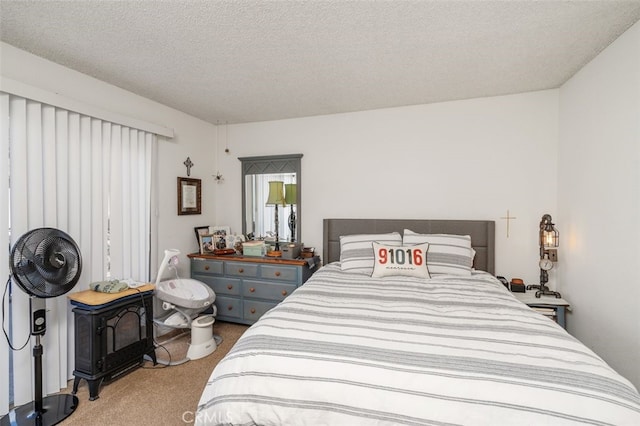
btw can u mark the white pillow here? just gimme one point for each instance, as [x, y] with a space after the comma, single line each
[448, 254]
[409, 261]
[356, 251]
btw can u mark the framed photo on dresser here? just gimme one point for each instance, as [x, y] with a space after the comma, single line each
[201, 230]
[207, 243]
[221, 234]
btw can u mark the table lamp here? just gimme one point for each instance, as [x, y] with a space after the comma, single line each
[276, 198]
[291, 198]
[549, 239]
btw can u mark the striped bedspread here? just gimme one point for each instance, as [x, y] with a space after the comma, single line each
[348, 349]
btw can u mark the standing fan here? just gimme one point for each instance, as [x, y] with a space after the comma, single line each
[45, 262]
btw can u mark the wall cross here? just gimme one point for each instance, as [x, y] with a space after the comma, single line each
[189, 165]
[508, 218]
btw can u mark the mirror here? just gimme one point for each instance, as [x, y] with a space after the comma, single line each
[259, 218]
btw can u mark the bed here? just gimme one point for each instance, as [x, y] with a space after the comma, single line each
[348, 348]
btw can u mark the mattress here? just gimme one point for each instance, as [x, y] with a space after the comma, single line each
[348, 349]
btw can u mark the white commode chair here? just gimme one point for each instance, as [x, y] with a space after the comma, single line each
[182, 300]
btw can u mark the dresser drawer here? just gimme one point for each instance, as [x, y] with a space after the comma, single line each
[265, 290]
[221, 285]
[254, 310]
[279, 273]
[206, 266]
[229, 307]
[241, 269]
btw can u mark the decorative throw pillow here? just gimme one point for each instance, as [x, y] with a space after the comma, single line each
[409, 261]
[356, 251]
[448, 254]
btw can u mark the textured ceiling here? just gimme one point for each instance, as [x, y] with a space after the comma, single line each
[243, 61]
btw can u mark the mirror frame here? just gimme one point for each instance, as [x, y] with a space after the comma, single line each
[267, 164]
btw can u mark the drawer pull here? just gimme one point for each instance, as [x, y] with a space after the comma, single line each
[252, 290]
[240, 270]
[230, 308]
[277, 274]
[252, 310]
[206, 268]
[284, 292]
[229, 286]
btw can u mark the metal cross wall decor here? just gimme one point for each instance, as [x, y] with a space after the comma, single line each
[508, 217]
[189, 165]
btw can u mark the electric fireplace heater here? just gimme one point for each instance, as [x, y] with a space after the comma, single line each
[112, 339]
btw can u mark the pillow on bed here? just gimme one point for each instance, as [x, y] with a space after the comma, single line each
[408, 261]
[448, 254]
[356, 251]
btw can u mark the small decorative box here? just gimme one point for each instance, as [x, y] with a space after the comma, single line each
[517, 286]
[253, 248]
[307, 252]
[222, 252]
[290, 250]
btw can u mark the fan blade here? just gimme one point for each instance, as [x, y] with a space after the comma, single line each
[46, 262]
[24, 267]
[56, 259]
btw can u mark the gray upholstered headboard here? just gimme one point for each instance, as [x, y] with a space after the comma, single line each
[482, 234]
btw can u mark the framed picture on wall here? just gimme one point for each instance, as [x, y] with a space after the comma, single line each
[189, 196]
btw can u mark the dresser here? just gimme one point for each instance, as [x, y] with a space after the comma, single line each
[246, 287]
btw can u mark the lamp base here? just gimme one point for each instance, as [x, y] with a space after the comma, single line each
[543, 290]
[292, 224]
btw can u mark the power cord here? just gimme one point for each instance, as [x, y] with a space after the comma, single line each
[144, 306]
[156, 344]
[172, 266]
[159, 365]
[4, 330]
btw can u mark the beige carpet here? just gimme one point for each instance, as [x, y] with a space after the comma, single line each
[154, 395]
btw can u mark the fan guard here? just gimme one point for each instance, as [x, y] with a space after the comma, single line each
[46, 262]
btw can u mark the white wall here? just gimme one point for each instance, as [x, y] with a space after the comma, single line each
[599, 203]
[471, 159]
[193, 137]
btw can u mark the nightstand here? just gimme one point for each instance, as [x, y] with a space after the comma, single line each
[549, 306]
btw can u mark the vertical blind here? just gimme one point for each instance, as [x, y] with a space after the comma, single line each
[85, 176]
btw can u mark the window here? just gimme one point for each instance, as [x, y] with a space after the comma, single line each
[88, 177]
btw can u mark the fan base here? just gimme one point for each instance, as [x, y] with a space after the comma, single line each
[55, 408]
